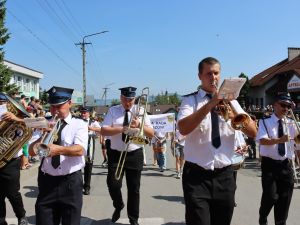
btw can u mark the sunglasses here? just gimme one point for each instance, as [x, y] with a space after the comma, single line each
[284, 105]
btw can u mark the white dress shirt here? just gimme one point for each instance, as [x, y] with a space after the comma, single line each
[93, 124]
[198, 144]
[74, 133]
[271, 151]
[115, 118]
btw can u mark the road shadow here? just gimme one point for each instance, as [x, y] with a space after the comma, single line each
[32, 191]
[179, 199]
[31, 219]
[174, 223]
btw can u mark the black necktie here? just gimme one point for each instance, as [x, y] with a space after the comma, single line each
[125, 124]
[215, 132]
[55, 161]
[281, 146]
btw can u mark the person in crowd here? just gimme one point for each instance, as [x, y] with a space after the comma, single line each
[23, 101]
[10, 177]
[178, 142]
[120, 124]
[252, 143]
[94, 129]
[159, 143]
[276, 149]
[60, 178]
[208, 181]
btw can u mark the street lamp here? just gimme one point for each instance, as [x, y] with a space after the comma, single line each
[82, 45]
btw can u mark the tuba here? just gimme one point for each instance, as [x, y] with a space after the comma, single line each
[13, 134]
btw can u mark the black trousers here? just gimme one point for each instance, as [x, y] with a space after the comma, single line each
[89, 164]
[59, 199]
[278, 185]
[208, 195]
[132, 169]
[10, 188]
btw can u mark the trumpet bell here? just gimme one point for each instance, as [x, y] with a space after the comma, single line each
[240, 121]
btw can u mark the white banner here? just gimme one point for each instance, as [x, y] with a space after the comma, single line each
[163, 122]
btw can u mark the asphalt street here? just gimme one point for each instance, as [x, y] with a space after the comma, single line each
[161, 196]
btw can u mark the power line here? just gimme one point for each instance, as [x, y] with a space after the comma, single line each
[43, 43]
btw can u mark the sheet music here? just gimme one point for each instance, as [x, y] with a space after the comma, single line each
[231, 87]
[39, 122]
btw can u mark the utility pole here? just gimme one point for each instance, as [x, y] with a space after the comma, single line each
[105, 92]
[82, 46]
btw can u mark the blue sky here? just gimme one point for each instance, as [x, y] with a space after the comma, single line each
[154, 43]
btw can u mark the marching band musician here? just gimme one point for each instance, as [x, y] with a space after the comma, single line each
[10, 178]
[116, 124]
[208, 181]
[60, 177]
[277, 174]
[94, 129]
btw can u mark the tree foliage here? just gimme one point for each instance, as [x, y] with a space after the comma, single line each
[166, 99]
[245, 89]
[5, 72]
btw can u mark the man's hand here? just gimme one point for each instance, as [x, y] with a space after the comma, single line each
[54, 149]
[9, 116]
[131, 131]
[284, 138]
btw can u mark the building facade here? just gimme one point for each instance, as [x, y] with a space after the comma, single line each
[282, 77]
[28, 80]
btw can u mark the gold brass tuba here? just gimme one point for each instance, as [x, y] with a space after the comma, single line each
[13, 134]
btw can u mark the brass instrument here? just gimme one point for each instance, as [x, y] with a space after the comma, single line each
[240, 120]
[13, 134]
[297, 137]
[139, 139]
[41, 149]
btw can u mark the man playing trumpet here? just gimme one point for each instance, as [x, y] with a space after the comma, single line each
[60, 178]
[208, 181]
[274, 135]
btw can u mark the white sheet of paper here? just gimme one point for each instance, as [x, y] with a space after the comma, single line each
[3, 109]
[231, 87]
[39, 122]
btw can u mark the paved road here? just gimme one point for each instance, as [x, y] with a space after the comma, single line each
[161, 197]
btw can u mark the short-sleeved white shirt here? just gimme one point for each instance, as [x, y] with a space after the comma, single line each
[115, 118]
[74, 133]
[198, 147]
[270, 130]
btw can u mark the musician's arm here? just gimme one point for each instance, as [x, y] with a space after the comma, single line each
[273, 141]
[188, 124]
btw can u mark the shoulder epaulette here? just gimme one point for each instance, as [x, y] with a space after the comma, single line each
[266, 117]
[80, 118]
[194, 93]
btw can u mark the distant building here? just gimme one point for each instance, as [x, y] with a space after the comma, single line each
[28, 80]
[281, 77]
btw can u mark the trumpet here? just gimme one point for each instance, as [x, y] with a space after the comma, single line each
[42, 149]
[138, 138]
[240, 119]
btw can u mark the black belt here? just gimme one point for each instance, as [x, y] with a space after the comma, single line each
[60, 176]
[274, 161]
[199, 168]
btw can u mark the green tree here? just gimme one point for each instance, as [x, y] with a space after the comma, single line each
[44, 96]
[164, 99]
[244, 91]
[5, 72]
[115, 102]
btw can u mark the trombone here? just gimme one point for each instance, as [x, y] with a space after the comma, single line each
[296, 140]
[139, 138]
